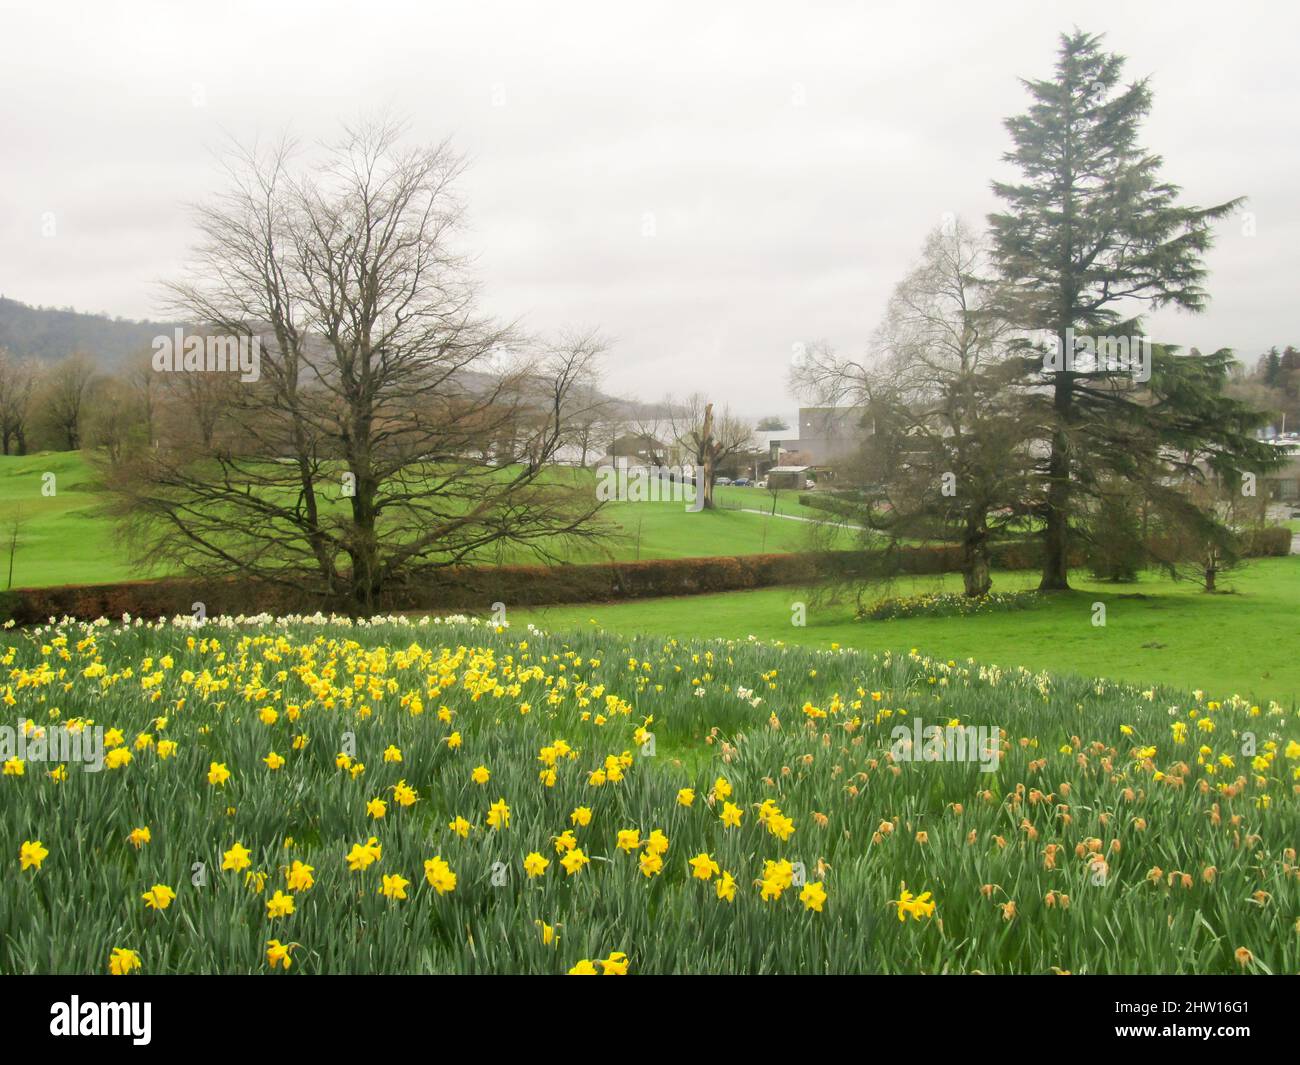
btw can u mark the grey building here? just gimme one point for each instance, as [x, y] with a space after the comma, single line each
[829, 434]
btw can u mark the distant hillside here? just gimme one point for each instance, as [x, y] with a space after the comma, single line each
[48, 333]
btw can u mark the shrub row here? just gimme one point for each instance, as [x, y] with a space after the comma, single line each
[947, 605]
[1274, 541]
[453, 588]
[478, 587]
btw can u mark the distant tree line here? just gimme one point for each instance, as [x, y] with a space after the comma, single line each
[50, 406]
[1273, 385]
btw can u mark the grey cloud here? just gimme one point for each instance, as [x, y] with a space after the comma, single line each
[793, 155]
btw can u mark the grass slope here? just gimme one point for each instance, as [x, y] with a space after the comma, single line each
[64, 538]
[67, 539]
[1173, 634]
[1099, 842]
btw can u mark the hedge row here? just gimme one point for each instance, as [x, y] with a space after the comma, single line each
[452, 588]
[477, 588]
[1273, 541]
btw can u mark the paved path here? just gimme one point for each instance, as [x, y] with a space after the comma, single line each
[815, 521]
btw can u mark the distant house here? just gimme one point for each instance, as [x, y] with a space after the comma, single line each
[775, 441]
[1283, 483]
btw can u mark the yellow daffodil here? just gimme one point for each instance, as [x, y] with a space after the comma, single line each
[363, 855]
[394, 887]
[499, 815]
[574, 861]
[703, 867]
[439, 875]
[813, 896]
[31, 854]
[915, 906]
[298, 877]
[277, 953]
[158, 897]
[279, 905]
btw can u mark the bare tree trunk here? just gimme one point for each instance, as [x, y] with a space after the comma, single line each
[706, 455]
[1056, 562]
[975, 559]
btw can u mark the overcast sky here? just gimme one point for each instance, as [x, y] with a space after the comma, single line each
[788, 157]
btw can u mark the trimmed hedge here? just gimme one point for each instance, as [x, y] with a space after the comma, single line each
[478, 587]
[452, 588]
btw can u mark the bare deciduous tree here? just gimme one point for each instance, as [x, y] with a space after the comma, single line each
[64, 389]
[700, 437]
[143, 386]
[947, 454]
[18, 380]
[114, 417]
[355, 460]
[588, 414]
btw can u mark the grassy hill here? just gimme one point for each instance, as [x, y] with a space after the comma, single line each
[49, 333]
[1156, 631]
[772, 826]
[64, 538]
[68, 539]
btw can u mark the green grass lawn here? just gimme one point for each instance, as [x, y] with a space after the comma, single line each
[787, 500]
[667, 530]
[67, 538]
[1156, 631]
[63, 538]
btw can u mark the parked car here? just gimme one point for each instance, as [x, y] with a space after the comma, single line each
[761, 484]
[809, 483]
[742, 482]
[724, 481]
